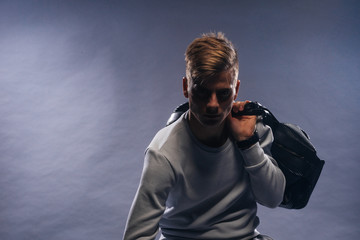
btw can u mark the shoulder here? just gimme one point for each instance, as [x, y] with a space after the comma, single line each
[169, 136]
[172, 144]
[164, 153]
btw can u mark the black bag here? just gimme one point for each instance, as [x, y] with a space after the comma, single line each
[291, 149]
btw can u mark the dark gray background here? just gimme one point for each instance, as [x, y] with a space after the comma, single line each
[84, 86]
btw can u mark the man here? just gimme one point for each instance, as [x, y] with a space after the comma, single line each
[204, 174]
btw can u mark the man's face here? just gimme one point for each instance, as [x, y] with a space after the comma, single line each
[211, 102]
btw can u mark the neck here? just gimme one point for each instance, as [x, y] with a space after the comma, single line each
[212, 136]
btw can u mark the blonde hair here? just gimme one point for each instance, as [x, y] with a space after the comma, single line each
[209, 55]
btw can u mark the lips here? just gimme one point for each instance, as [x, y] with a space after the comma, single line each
[212, 116]
[211, 119]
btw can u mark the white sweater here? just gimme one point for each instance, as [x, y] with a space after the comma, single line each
[192, 191]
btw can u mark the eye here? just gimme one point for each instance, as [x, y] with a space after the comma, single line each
[224, 94]
[201, 92]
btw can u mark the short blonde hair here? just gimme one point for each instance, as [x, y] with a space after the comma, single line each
[209, 55]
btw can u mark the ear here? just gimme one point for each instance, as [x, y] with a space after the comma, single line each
[185, 87]
[237, 89]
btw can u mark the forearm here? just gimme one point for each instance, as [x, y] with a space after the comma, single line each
[267, 180]
[150, 200]
[143, 218]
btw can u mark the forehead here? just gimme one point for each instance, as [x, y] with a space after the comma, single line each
[220, 80]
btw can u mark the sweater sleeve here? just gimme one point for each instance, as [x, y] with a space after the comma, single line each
[150, 199]
[266, 179]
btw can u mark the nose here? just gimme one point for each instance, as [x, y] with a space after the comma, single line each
[213, 101]
[212, 105]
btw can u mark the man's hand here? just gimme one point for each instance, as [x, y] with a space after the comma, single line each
[241, 127]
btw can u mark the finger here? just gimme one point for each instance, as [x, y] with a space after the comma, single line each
[236, 106]
[242, 105]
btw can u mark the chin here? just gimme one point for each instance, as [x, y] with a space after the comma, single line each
[210, 123]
